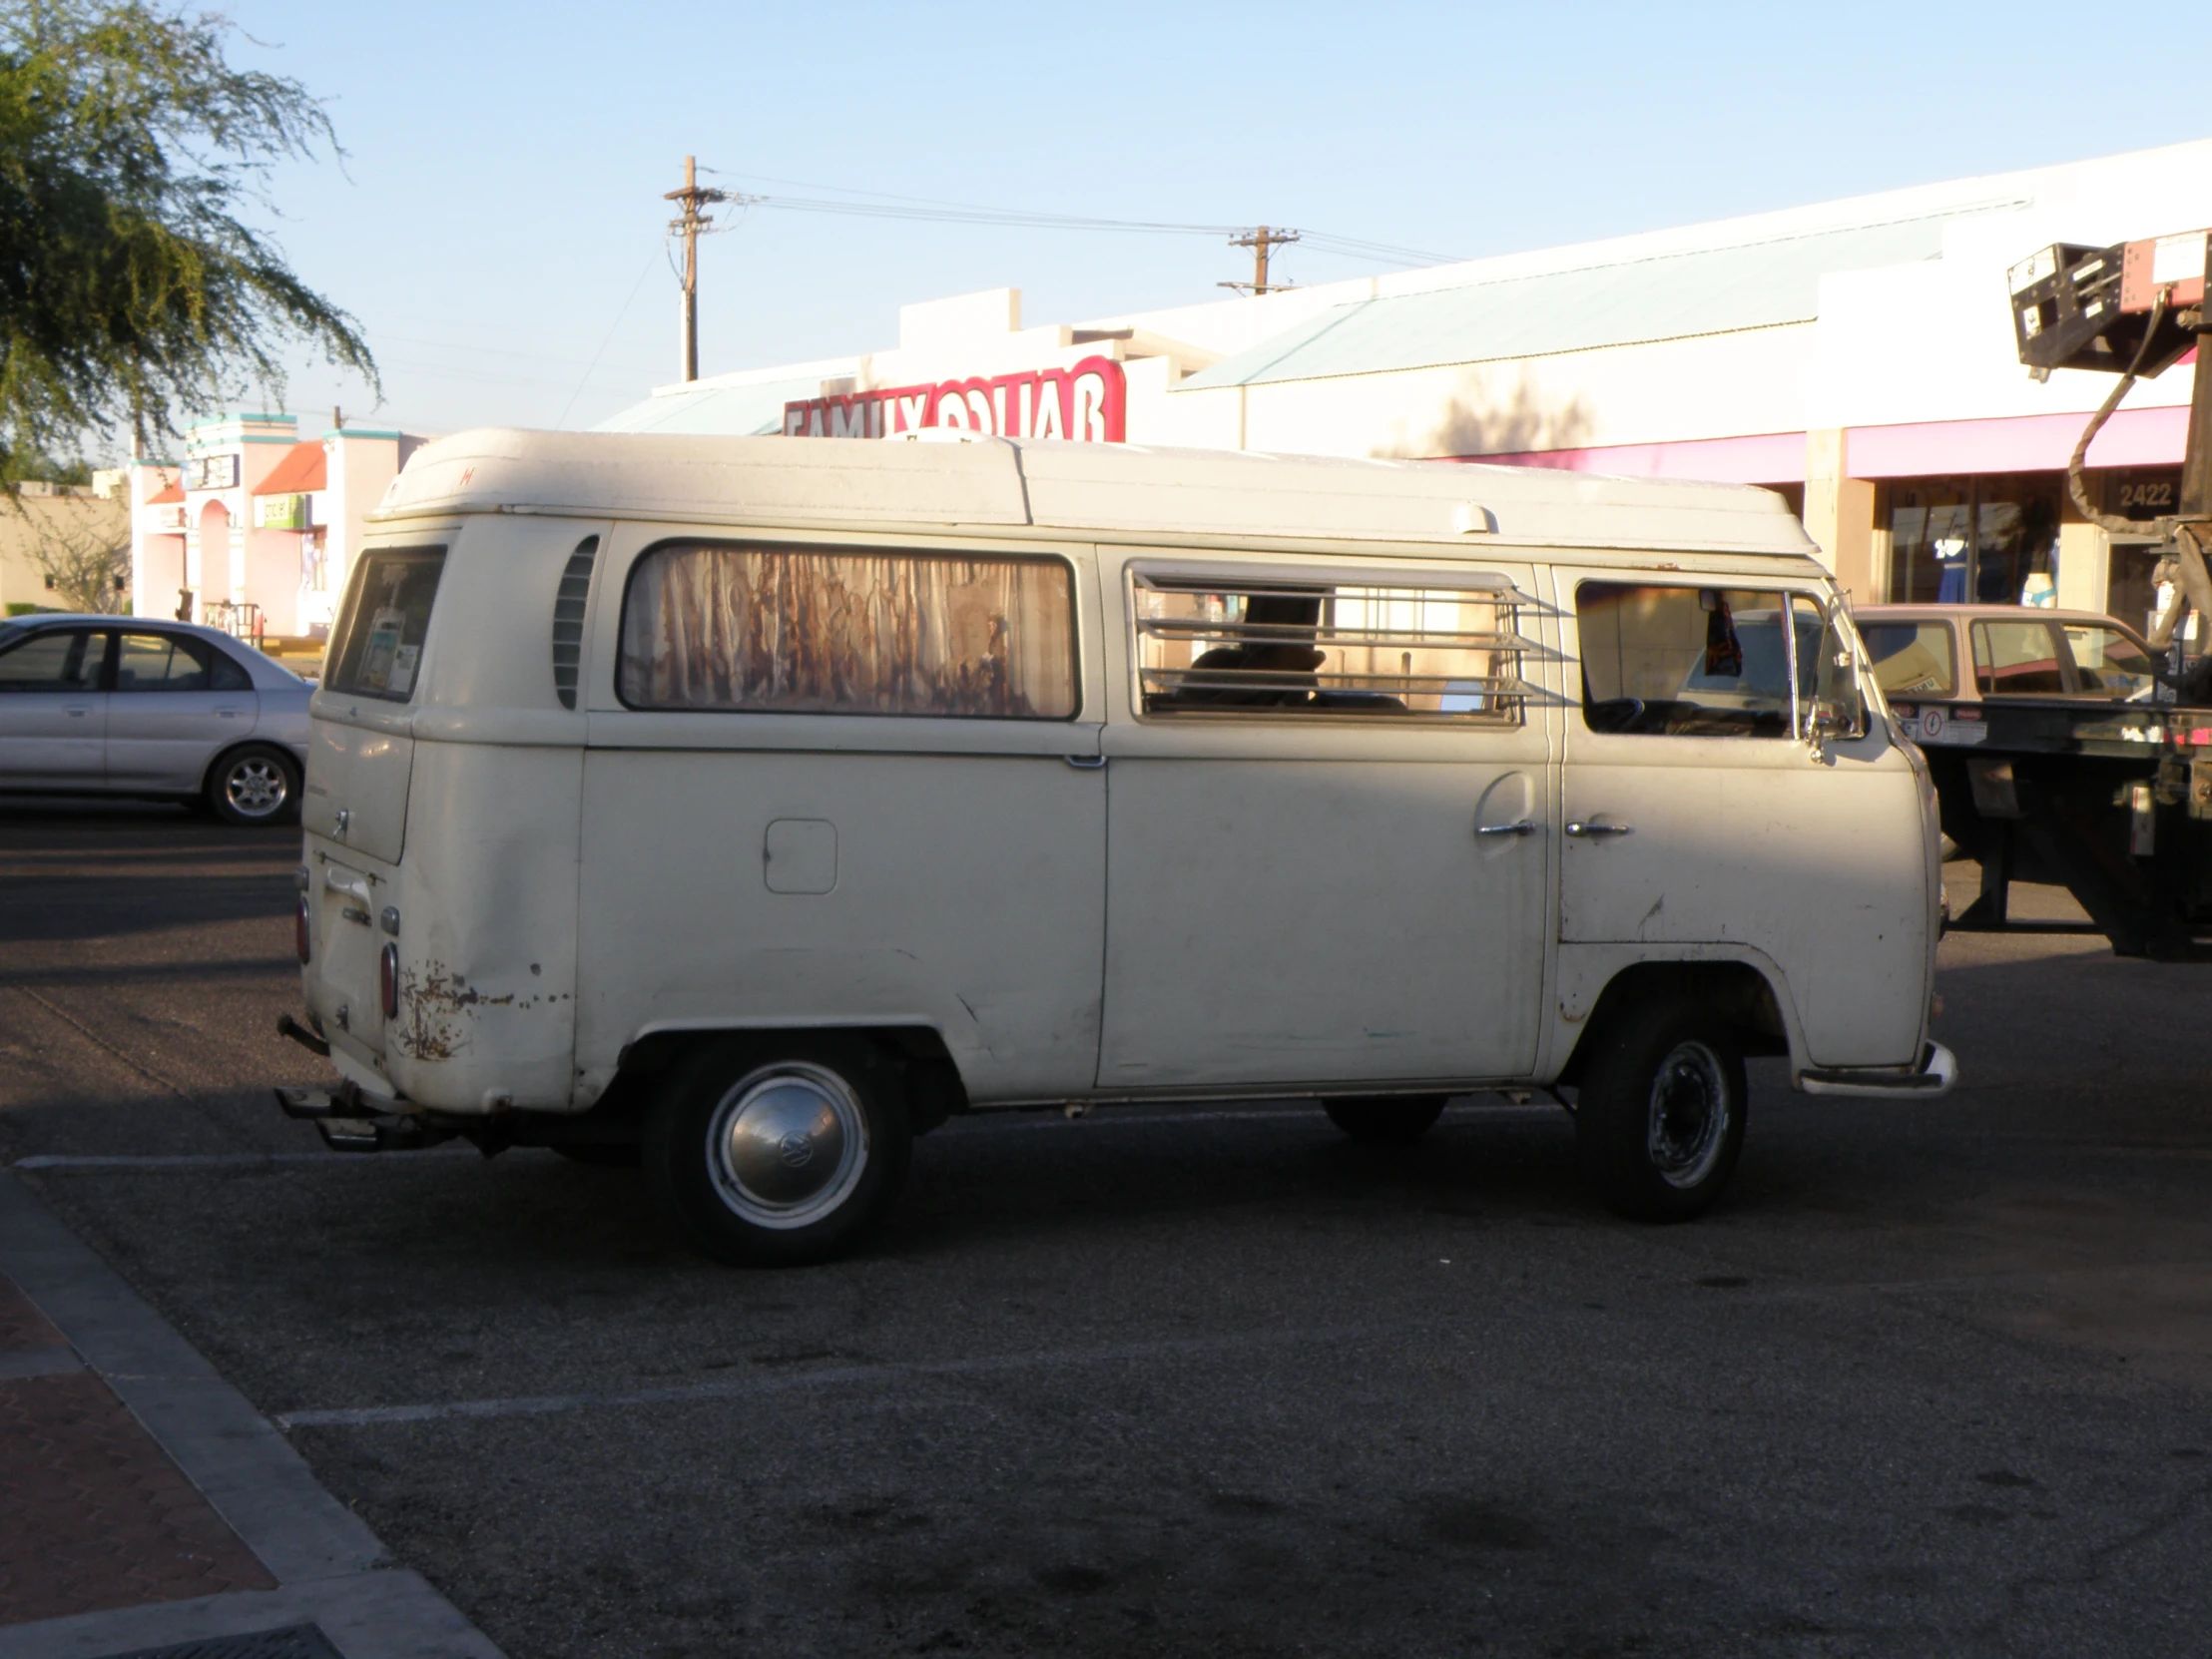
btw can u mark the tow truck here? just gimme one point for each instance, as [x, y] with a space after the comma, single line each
[2112, 801]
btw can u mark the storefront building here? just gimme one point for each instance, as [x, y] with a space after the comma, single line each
[1856, 355]
[255, 530]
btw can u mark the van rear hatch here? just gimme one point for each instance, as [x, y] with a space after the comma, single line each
[361, 752]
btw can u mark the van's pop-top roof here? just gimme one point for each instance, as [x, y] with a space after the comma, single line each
[1117, 491]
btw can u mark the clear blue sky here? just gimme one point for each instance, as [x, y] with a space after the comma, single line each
[498, 222]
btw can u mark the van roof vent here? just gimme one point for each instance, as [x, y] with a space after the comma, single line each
[568, 620]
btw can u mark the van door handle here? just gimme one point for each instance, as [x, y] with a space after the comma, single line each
[1085, 762]
[347, 881]
[1579, 829]
[1523, 828]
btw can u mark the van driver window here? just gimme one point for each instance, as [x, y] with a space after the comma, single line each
[1687, 661]
[849, 630]
[1255, 647]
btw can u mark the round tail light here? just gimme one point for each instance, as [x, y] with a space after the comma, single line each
[387, 981]
[299, 929]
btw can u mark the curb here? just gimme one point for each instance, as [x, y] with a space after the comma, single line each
[330, 1567]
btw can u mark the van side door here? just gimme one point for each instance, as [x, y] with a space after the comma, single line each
[1330, 823]
[1699, 813]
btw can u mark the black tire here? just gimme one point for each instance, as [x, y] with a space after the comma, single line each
[1386, 1120]
[778, 1153]
[602, 1154]
[256, 784]
[1660, 1117]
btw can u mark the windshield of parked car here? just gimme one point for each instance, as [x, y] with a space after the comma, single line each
[2017, 659]
[1912, 659]
[2110, 664]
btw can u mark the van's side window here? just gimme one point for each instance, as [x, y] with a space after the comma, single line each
[1688, 662]
[1242, 645]
[853, 631]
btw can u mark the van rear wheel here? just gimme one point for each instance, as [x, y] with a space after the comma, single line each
[778, 1154]
[1660, 1117]
[1386, 1120]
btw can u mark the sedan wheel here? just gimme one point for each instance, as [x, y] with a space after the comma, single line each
[255, 786]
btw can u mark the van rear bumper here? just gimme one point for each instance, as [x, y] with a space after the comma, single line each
[1932, 1079]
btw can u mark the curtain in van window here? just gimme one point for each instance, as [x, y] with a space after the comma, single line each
[808, 629]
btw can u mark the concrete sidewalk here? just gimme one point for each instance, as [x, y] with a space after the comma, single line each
[149, 1505]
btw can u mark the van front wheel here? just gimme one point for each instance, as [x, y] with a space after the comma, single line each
[1660, 1117]
[768, 1155]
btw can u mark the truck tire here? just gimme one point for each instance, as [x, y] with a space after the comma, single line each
[1660, 1117]
[778, 1153]
[254, 785]
[1386, 1120]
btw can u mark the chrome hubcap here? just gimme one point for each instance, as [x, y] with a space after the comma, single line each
[1690, 1112]
[788, 1144]
[255, 786]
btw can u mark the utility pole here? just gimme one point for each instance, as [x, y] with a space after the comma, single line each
[690, 199]
[1260, 240]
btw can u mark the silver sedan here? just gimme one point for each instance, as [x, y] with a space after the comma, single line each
[102, 704]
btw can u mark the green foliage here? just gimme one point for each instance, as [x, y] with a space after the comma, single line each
[129, 288]
[21, 466]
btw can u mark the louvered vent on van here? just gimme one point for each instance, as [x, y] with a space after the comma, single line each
[568, 620]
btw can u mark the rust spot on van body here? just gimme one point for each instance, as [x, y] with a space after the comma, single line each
[436, 1012]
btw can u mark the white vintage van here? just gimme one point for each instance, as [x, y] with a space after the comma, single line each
[750, 805]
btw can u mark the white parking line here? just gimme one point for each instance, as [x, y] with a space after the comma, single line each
[982, 1123]
[207, 1160]
[737, 1387]
[1111, 1118]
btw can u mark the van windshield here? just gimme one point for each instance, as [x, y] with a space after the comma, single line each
[377, 649]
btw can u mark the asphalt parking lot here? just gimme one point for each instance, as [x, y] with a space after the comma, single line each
[1932, 1379]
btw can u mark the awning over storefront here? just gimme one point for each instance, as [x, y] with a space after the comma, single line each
[303, 471]
[1765, 458]
[2024, 443]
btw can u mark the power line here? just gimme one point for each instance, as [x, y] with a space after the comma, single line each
[884, 204]
[609, 341]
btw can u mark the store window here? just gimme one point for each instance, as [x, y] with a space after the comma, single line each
[1991, 540]
[2140, 494]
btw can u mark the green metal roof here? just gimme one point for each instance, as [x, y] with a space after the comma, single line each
[745, 411]
[1664, 296]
